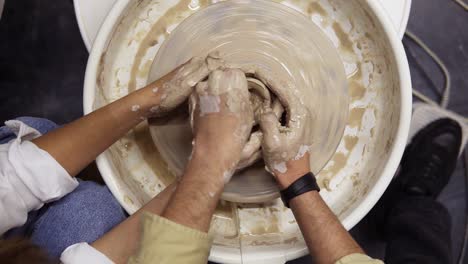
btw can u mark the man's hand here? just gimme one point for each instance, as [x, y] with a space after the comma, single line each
[286, 154]
[221, 118]
[286, 149]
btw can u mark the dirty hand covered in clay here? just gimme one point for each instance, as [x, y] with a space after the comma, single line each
[260, 98]
[175, 91]
[271, 97]
[221, 116]
[281, 144]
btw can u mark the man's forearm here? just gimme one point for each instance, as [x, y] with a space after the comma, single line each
[197, 196]
[327, 240]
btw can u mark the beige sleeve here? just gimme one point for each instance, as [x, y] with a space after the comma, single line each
[164, 241]
[358, 259]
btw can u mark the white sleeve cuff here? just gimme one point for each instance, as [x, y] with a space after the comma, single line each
[29, 176]
[38, 173]
[83, 253]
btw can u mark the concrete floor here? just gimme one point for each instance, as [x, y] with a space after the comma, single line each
[43, 61]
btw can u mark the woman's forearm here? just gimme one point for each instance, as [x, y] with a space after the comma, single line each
[78, 143]
[327, 240]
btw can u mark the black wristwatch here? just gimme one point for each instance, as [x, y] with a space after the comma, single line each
[306, 183]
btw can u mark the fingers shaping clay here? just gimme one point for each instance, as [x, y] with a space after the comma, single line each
[226, 94]
[281, 123]
[277, 144]
[180, 86]
[225, 91]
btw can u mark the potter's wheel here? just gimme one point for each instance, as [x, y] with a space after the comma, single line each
[294, 51]
[353, 180]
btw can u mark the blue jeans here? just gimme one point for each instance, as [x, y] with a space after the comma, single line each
[83, 215]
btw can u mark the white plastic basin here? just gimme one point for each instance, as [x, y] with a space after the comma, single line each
[352, 181]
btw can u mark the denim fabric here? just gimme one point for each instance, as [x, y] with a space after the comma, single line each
[84, 215]
[40, 124]
[418, 231]
[81, 216]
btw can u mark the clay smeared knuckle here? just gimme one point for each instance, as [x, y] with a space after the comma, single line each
[216, 76]
[214, 61]
[201, 88]
[269, 121]
[254, 143]
[271, 136]
[236, 74]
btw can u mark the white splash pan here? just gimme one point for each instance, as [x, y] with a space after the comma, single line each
[353, 180]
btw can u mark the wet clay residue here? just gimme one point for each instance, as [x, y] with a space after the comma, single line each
[345, 42]
[369, 18]
[356, 90]
[339, 162]
[159, 28]
[265, 228]
[224, 208]
[264, 243]
[357, 75]
[348, 205]
[355, 117]
[128, 200]
[151, 155]
[292, 240]
[355, 179]
[350, 142]
[316, 8]
[145, 69]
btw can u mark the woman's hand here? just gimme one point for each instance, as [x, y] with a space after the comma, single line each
[221, 119]
[174, 88]
[107, 124]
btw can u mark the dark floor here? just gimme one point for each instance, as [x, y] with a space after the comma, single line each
[43, 61]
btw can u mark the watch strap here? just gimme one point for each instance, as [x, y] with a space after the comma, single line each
[306, 183]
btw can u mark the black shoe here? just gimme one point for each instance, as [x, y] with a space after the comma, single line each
[425, 169]
[430, 159]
